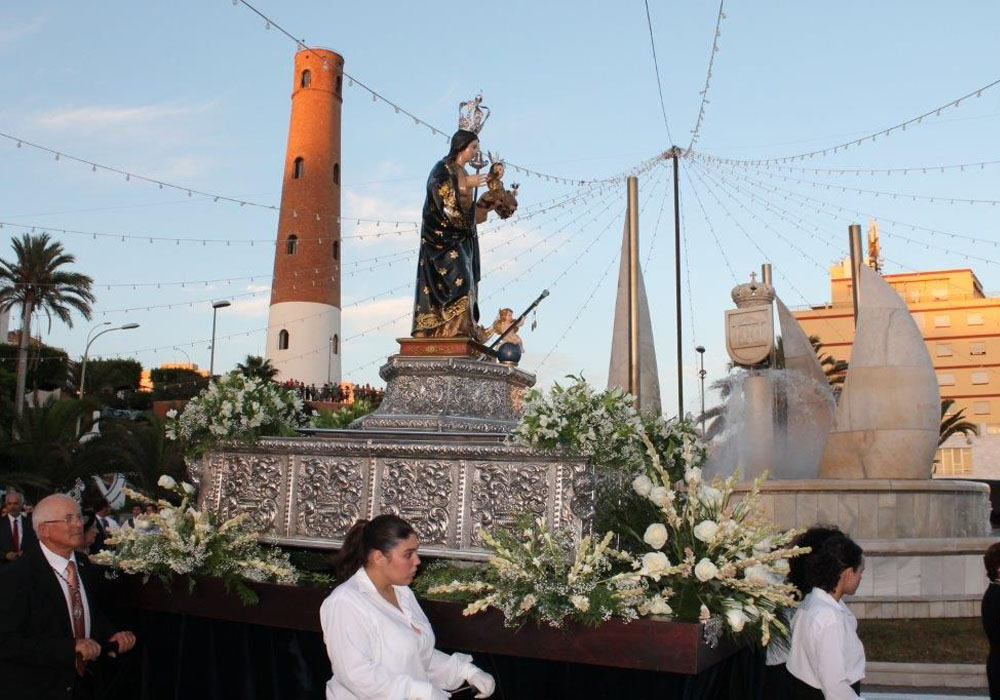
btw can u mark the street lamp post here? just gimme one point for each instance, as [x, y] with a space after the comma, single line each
[186, 356]
[700, 349]
[216, 305]
[86, 351]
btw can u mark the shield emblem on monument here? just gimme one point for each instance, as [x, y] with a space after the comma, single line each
[749, 334]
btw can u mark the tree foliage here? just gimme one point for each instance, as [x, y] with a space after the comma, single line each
[954, 423]
[171, 384]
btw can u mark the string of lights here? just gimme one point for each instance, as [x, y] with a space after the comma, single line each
[868, 138]
[876, 193]
[696, 131]
[656, 66]
[417, 121]
[913, 169]
[659, 216]
[711, 228]
[687, 275]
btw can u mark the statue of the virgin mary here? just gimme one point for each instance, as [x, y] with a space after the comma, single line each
[446, 303]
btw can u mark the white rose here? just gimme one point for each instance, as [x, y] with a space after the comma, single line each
[656, 536]
[642, 485]
[580, 602]
[654, 564]
[658, 606]
[736, 619]
[188, 488]
[705, 570]
[710, 497]
[760, 574]
[167, 482]
[764, 546]
[706, 530]
[661, 495]
[692, 474]
[172, 413]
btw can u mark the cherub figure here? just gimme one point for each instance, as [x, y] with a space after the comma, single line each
[505, 318]
[496, 198]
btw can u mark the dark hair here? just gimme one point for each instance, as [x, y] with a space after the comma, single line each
[798, 567]
[382, 533]
[992, 561]
[459, 140]
[89, 518]
[837, 553]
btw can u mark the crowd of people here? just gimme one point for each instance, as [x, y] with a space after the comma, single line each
[335, 393]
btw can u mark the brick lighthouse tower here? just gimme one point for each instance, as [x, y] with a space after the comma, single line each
[303, 334]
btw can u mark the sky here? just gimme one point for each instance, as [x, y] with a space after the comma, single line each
[196, 93]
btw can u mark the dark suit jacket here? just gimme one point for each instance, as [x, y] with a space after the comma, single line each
[37, 649]
[28, 539]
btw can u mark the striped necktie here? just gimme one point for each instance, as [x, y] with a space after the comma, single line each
[76, 608]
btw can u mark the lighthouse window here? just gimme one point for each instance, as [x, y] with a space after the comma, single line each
[283, 339]
[336, 250]
[336, 173]
[306, 78]
[335, 344]
[292, 245]
[340, 84]
[299, 168]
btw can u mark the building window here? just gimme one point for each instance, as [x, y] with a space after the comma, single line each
[946, 380]
[954, 461]
[336, 173]
[943, 321]
[306, 78]
[336, 250]
[981, 408]
[299, 168]
[939, 294]
[340, 84]
[292, 244]
[943, 349]
[283, 339]
[980, 377]
[335, 344]
[977, 348]
[974, 319]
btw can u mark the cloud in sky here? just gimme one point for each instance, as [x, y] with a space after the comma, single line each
[11, 33]
[94, 118]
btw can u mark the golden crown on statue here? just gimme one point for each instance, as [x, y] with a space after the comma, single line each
[472, 114]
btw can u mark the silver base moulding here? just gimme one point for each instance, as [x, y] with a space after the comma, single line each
[448, 394]
[308, 491]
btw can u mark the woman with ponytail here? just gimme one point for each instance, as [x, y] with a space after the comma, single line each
[380, 643]
[827, 659]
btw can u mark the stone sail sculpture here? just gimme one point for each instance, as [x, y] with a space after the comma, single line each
[808, 404]
[649, 378]
[889, 413]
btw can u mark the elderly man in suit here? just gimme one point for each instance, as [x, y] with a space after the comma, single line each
[50, 631]
[16, 533]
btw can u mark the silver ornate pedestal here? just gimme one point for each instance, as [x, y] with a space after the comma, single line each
[436, 453]
[449, 394]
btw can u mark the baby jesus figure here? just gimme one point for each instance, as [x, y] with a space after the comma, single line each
[496, 198]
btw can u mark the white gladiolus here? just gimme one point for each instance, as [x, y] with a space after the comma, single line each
[760, 575]
[706, 530]
[166, 482]
[705, 570]
[529, 602]
[764, 546]
[692, 474]
[780, 566]
[654, 565]
[655, 536]
[642, 485]
[736, 619]
[661, 495]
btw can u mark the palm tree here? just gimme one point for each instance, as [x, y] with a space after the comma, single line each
[35, 280]
[257, 367]
[955, 423]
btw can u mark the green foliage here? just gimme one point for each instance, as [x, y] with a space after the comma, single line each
[954, 423]
[442, 572]
[137, 448]
[343, 417]
[174, 383]
[105, 378]
[48, 367]
[43, 455]
[257, 367]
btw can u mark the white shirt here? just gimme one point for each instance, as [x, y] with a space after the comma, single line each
[826, 652]
[375, 648]
[59, 565]
[109, 523]
[21, 520]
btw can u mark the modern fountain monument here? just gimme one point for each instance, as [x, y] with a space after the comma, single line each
[862, 463]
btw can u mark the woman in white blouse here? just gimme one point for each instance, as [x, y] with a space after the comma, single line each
[827, 660]
[380, 643]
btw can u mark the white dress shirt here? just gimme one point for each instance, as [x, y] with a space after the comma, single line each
[109, 523]
[59, 565]
[21, 521]
[826, 652]
[379, 651]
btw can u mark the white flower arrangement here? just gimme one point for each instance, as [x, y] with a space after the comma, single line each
[182, 540]
[535, 572]
[235, 407]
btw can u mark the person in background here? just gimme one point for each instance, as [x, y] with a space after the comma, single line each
[991, 618]
[105, 526]
[379, 641]
[136, 512]
[89, 534]
[16, 533]
[777, 683]
[827, 659]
